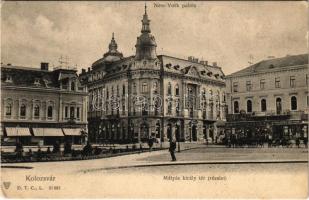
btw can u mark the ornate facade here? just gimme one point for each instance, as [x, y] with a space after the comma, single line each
[271, 95]
[42, 106]
[149, 95]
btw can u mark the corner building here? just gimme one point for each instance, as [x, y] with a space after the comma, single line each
[147, 95]
[41, 107]
[270, 97]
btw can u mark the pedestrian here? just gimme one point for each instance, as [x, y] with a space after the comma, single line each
[172, 149]
[297, 142]
[150, 143]
[48, 150]
[306, 142]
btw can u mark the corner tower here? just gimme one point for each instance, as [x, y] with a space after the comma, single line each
[146, 44]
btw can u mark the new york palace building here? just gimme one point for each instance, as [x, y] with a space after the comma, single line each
[147, 95]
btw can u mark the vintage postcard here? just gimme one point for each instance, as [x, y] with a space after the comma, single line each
[155, 99]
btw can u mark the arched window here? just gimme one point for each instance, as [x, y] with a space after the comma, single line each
[8, 109]
[169, 88]
[236, 107]
[249, 106]
[73, 86]
[263, 105]
[293, 103]
[36, 111]
[177, 90]
[23, 110]
[50, 112]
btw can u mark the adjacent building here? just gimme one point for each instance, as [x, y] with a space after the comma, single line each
[270, 97]
[147, 95]
[41, 107]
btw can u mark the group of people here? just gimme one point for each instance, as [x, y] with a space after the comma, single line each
[234, 140]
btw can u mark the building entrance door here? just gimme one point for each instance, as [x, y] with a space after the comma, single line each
[194, 133]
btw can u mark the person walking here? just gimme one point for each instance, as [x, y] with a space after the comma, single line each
[172, 149]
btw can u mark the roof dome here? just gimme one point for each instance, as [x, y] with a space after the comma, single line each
[146, 39]
[113, 54]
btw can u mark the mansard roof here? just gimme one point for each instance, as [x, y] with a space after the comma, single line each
[274, 64]
[186, 67]
[34, 77]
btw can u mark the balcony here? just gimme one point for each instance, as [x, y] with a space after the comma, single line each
[268, 115]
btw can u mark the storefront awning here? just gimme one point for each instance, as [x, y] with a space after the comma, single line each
[47, 132]
[72, 131]
[17, 131]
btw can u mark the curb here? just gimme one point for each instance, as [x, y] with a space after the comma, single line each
[196, 163]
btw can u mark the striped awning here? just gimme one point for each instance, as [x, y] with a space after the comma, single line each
[47, 132]
[72, 131]
[17, 131]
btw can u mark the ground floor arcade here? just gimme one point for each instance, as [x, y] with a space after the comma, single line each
[140, 129]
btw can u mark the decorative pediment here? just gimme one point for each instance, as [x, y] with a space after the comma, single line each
[192, 71]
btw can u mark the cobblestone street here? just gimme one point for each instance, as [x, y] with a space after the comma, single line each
[145, 170]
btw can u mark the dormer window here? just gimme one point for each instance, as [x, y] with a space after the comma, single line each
[8, 79]
[36, 81]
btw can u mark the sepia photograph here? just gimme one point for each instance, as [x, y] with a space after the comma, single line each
[154, 99]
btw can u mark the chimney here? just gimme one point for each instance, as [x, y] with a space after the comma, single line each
[190, 58]
[44, 66]
[83, 71]
[214, 64]
[88, 69]
[206, 62]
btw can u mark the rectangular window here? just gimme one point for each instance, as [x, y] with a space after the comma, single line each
[144, 87]
[292, 81]
[123, 90]
[307, 100]
[307, 79]
[277, 82]
[235, 87]
[8, 109]
[72, 112]
[66, 112]
[78, 113]
[248, 85]
[49, 112]
[262, 84]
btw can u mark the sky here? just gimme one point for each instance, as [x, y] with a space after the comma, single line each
[229, 33]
